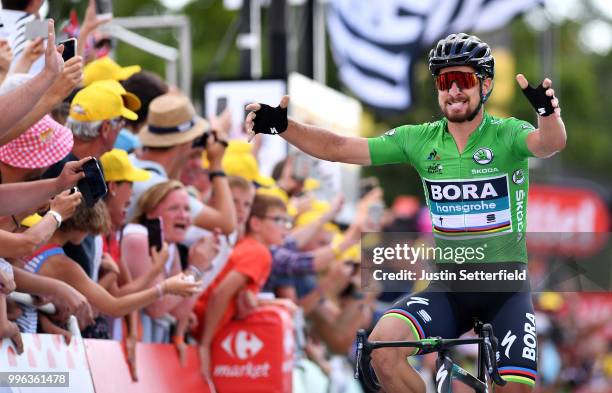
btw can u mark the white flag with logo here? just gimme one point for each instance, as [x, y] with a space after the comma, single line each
[376, 43]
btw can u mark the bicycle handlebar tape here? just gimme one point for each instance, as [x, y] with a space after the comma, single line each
[539, 100]
[270, 120]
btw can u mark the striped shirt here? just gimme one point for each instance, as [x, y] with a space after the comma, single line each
[28, 321]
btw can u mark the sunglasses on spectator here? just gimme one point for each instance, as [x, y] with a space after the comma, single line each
[118, 122]
[280, 221]
[464, 80]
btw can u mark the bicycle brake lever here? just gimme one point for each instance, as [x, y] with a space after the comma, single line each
[358, 351]
[491, 363]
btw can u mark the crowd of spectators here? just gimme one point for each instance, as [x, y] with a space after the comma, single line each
[229, 232]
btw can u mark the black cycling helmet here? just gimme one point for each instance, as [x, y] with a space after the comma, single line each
[462, 49]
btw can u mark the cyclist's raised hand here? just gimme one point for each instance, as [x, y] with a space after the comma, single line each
[542, 97]
[264, 119]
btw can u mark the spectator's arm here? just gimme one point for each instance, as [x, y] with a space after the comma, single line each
[21, 197]
[134, 249]
[287, 262]
[67, 300]
[48, 326]
[337, 328]
[60, 89]
[222, 212]
[302, 235]
[218, 302]
[324, 256]
[63, 268]
[90, 23]
[33, 50]
[18, 102]
[128, 285]
[6, 57]
[22, 244]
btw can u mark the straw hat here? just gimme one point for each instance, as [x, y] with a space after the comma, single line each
[172, 120]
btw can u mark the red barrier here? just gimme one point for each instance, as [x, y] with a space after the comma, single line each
[157, 366]
[255, 354]
[252, 355]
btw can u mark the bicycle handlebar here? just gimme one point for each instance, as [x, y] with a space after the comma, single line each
[435, 344]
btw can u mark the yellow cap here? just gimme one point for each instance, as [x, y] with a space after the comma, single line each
[352, 254]
[106, 68]
[311, 184]
[32, 220]
[104, 100]
[311, 216]
[550, 301]
[274, 191]
[118, 167]
[239, 160]
[319, 206]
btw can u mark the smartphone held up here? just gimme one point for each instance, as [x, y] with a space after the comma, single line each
[70, 48]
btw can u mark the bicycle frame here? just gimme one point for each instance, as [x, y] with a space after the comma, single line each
[447, 370]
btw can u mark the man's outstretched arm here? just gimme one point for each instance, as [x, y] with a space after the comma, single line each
[318, 142]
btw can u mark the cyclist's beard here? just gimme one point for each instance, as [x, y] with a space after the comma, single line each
[460, 115]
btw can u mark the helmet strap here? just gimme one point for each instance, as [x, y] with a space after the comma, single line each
[483, 99]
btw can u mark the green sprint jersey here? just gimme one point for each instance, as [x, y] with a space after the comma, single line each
[475, 198]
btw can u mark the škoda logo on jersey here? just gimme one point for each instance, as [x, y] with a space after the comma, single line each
[478, 205]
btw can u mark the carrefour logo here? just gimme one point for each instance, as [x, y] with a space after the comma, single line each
[242, 345]
[483, 156]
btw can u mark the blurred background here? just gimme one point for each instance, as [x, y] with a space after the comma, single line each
[360, 67]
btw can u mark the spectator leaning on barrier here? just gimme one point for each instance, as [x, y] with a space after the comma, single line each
[51, 261]
[243, 193]
[170, 202]
[247, 268]
[16, 245]
[97, 114]
[120, 175]
[167, 139]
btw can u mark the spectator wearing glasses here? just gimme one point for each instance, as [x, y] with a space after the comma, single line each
[248, 268]
[97, 113]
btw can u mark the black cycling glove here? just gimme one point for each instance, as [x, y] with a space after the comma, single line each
[270, 120]
[539, 100]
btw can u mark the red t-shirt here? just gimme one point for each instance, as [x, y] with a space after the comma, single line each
[250, 258]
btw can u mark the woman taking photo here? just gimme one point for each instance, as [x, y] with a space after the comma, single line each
[51, 261]
[168, 201]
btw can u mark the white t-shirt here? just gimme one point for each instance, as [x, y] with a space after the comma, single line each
[13, 30]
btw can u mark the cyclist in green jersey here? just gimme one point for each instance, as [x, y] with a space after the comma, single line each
[475, 176]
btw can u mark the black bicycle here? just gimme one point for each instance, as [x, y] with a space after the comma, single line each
[447, 370]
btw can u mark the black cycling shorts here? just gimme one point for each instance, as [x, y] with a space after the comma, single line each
[436, 312]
